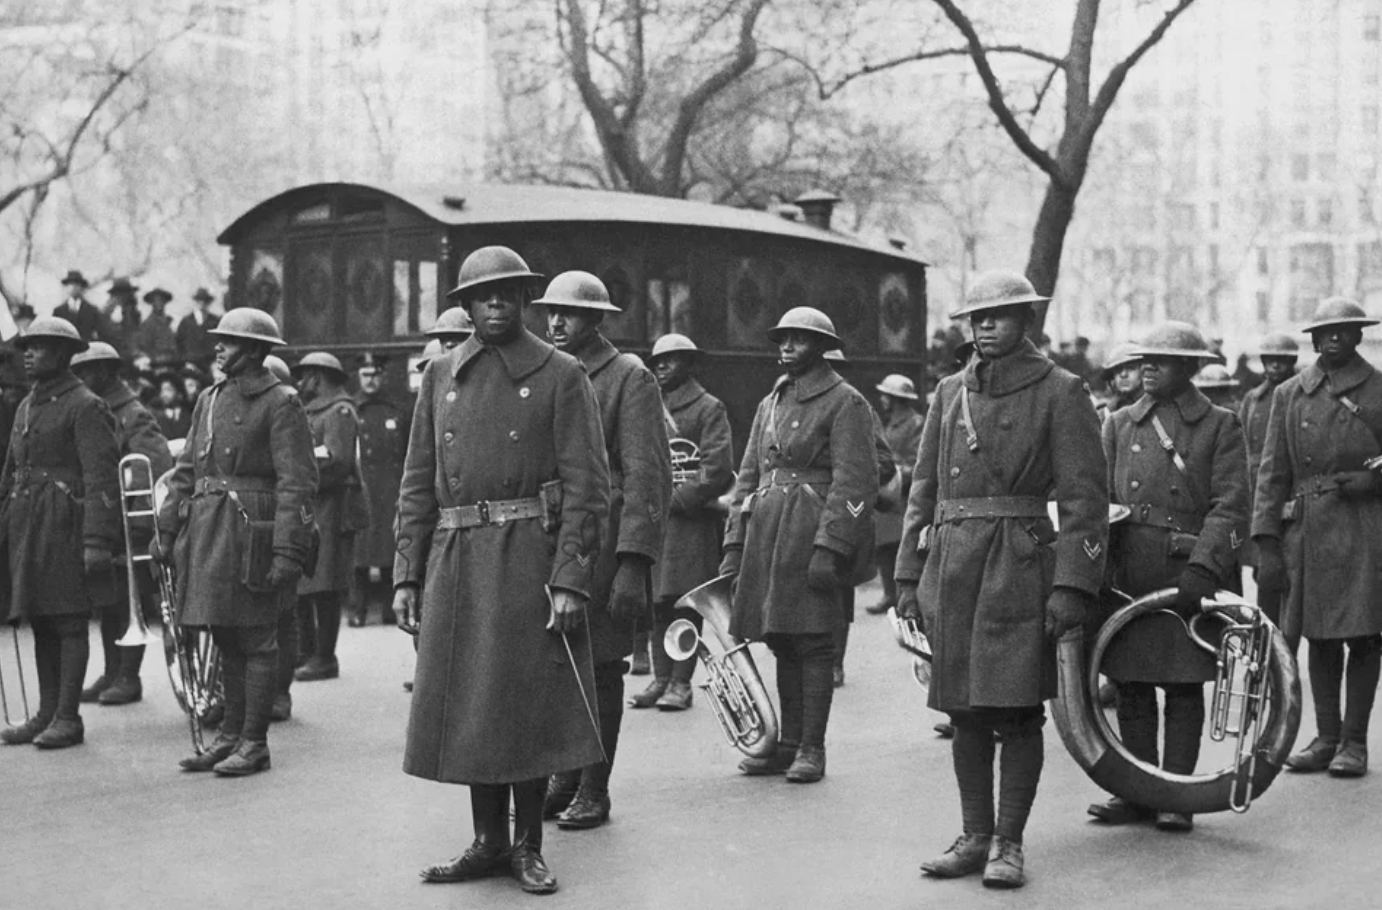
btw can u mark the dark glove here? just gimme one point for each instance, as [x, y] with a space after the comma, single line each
[284, 571]
[1357, 484]
[1271, 564]
[908, 607]
[1065, 610]
[161, 548]
[629, 596]
[732, 561]
[823, 574]
[407, 608]
[95, 559]
[1196, 583]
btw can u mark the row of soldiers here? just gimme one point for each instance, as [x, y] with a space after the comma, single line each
[518, 448]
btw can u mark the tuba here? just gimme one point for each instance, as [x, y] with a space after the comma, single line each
[686, 460]
[193, 662]
[1257, 700]
[735, 689]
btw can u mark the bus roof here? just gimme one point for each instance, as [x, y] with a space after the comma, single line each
[492, 203]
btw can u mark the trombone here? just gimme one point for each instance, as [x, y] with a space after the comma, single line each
[136, 507]
[19, 672]
[193, 661]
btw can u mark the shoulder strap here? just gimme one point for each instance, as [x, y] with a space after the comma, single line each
[1356, 411]
[1169, 446]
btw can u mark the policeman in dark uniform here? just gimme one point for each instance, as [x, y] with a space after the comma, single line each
[341, 508]
[384, 426]
[800, 530]
[238, 524]
[702, 471]
[62, 521]
[1279, 353]
[1179, 463]
[98, 367]
[641, 475]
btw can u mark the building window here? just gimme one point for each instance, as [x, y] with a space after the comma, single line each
[1264, 307]
[1300, 167]
[1365, 213]
[1263, 261]
[1324, 212]
[1214, 216]
[1372, 27]
[1298, 213]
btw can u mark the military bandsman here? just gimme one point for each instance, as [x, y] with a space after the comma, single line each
[1179, 464]
[702, 472]
[994, 584]
[504, 497]
[897, 397]
[61, 492]
[639, 457]
[98, 367]
[237, 524]
[800, 532]
[1318, 529]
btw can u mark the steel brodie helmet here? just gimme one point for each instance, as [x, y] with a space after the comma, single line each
[250, 324]
[96, 352]
[578, 290]
[1121, 356]
[322, 361]
[279, 368]
[998, 288]
[898, 386]
[455, 321]
[672, 343]
[491, 263]
[1277, 344]
[52, 327]
[1174, 339]
[1215, 376]
[805, 319]
[1334, 311]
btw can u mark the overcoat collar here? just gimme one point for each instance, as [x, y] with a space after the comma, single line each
[52, 389]
[120, 396]
[253, 382]
[521, 357]
[996, 378]
[1354, 374]
[683, 395]
[322, 402]
[1191, 403]
[818, 380]
[597, 354]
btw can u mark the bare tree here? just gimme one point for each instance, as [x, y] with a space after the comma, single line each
[1087, 102]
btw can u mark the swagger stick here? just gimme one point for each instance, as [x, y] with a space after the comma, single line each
[571, 656]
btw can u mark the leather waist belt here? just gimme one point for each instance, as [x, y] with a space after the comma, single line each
[952, 510]
[28, 474]
[493, 512]
[781, 477]
[1316, 486]
[222, 484]
[1158, 517]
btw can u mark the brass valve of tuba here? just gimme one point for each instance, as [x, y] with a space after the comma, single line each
[686, 460]
[1239, 702]
[736, 692]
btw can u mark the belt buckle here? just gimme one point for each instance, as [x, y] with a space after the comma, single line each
[482, 512]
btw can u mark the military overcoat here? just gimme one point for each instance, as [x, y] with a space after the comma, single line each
[1195, 517]
[640, 471]
[60, 492]
[1254, 411]
[383, 445]
[808, 479]
[984, 581]
[342, 508]
[137, 429]
[248, 456]
[495, 696]
[903, 435]
[691, 551]
[1333, 546]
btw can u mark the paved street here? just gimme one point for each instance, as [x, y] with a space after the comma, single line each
[335, 824]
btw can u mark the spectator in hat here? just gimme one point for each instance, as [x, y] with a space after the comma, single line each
[122, 299]
[155, 338]
[194, 380]
[193, 343]
[172, 409]
[89, 322]
[23, 317]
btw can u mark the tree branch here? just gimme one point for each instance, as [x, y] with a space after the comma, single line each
[1039, 156]
[868, 69]
[1109, 90]
[692, 105]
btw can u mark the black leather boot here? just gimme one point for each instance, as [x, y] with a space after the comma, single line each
[488, 854]
[590, 808]
[561, 790]
[526, 862]
[112, 623]
[73, 652]
[221, 748]
[47, 659]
